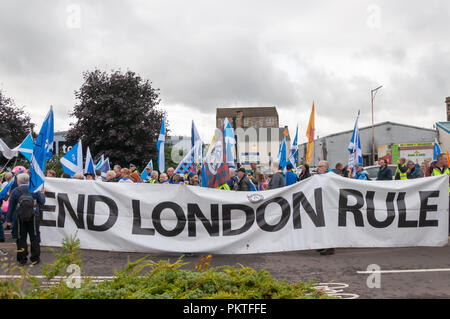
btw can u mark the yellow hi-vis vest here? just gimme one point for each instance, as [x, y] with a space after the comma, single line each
[152, 181]
[402, 175]
[436, 172]
[224, 186]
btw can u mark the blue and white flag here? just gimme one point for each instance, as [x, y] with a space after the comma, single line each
[43, 146]
[230, 141]
[354, 148]
[144, 174]
[281, 157]
[89, 165]
[72, 161]
[197, 145]
[187, 164]
[294, 150]
[104, 168]
[26, 148]
[160, 146]
[437, 150]
[100, 162]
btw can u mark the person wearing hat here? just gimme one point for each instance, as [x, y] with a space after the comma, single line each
[193, 179]
[243, 182]
[133, 169]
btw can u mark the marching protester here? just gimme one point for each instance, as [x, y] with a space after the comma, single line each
[78, 176]
[136, 178]
[177, 179]
[360, 173]
[153, 177]
[277, 179]
[125, 176]
[425, 169]
[98, 175]
[322, 169]
[25, 208]
[254, 173]
[262, 182]
[90, 176]
[65, 175]
[193, 179]
[132, 169]
[163, 179]
[401, 171]
[413, 171]
[384, 172]
[342, 170]
[149, 172]
[111, 177]
[441, 168]
[290, 177]
[243, 182]
[7, 178]
[233, 179]
[51, 173]
[117, 170]
[305, 172]
[170, 172]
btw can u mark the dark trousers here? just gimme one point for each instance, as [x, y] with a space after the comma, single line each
[25, 229]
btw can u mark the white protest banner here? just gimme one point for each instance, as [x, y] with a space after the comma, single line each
[323, 211]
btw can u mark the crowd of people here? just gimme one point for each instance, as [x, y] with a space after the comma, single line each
[20, 210]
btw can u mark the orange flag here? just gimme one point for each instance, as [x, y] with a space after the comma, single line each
[310, 136]
[448, 156]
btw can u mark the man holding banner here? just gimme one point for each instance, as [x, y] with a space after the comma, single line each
[442, 168]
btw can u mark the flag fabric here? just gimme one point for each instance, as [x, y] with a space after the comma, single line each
[448, 157]
[281, 157]
[310, 136]
[144, 174]
[72, 161]
[26, 148]
[230, 141]
[196, 143]
[188, 164]
[215, 170]
[160, 146]
[105, 168]
[354, 148]
[44, 144]
[437, 149]
[6, 151]
[100, 162]
[294, 150]
[89, 164]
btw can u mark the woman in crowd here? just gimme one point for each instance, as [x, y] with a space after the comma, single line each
[163, 178]
[262, 182]
[305, 172]
[136, 178]
[78, 176]
[125, 173]
[111, 176]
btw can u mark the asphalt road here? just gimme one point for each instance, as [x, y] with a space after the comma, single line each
[425, 271]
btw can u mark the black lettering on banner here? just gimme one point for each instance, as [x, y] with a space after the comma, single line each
[317, 217]
[113, 212]
[137, 230]
[402, 222]
[371, 210]
[226, 219]
[212, 227]
[47, 208]
[285, 214]
[424, 208]
[156, 217]
[64, 203]
[355, 209]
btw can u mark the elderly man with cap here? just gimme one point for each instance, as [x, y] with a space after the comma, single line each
[243, 182]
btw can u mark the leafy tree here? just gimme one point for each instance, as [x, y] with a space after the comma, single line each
[116, 115]
[15, 123]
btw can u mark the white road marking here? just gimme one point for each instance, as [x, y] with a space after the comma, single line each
[403, 271]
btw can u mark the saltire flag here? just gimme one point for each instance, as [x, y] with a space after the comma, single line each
[6, 189]
[100, 162]
[196, 143]
[89, 165]
[44, 144]
[26, 148]
[144, 174]
[437, 149]
[294, 150]
[72, 161]
[188, 164]
[105, 168]
[160, 146]
[310, 136]
[215, 169]
[230, 141]
[354, 148]
[281, 157]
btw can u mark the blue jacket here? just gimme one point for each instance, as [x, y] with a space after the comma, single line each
[291, 178]
[14, 198]
[361, 175]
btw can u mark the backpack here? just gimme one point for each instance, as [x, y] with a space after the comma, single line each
[25, 206]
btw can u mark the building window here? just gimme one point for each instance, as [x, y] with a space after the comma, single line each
[245, 122]
[269, 121]
[261, 123]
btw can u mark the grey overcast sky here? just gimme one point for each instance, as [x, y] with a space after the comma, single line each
[208, 54]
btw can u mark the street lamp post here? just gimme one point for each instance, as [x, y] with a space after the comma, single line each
[372, 95]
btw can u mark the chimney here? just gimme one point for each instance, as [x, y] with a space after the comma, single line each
[447, 102]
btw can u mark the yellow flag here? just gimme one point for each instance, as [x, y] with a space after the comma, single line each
[310, 136]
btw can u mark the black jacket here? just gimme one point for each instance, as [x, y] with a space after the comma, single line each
[304, 175]
[384, 174]
[243, 185]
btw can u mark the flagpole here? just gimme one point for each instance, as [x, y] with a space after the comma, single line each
[6, 164]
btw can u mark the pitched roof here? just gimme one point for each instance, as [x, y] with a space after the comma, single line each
[247, 111]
